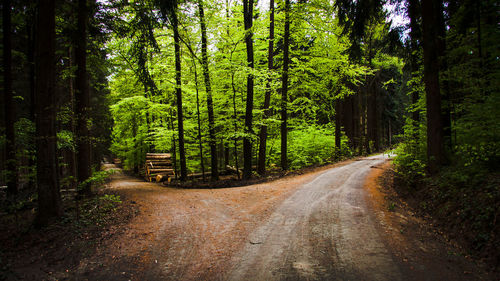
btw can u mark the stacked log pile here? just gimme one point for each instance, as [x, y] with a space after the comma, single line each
[158, 167]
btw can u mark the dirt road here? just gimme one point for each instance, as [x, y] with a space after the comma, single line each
[318, 226]
[322, 232]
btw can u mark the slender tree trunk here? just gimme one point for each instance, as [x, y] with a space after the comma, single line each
[347, 119]
[31, 79]
[365, 108]
[247, 141]
[82, 99]
[356, 121]
[202, 162]
[10, 114]
[174, 149]
[415, 33]
[235, 118]
[178, 92]
[435, 132]
[49, 197]
[337, 127]
[284, 90]
[261, 167]
[210, 107]
[73, 156]
[443, 67]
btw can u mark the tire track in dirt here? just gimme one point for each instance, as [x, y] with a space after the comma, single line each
[322, 231]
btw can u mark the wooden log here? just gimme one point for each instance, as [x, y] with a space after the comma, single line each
[158, 156]
[148, 163]
[160, 171]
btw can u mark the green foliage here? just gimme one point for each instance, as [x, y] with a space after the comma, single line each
[311, 145]
[97, 210]
[411, 159]
[97, 178]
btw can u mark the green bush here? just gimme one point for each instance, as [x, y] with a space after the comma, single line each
[307, 146]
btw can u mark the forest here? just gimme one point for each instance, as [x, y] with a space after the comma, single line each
[253, 87]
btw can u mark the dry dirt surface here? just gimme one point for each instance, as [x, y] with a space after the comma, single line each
[324, 225]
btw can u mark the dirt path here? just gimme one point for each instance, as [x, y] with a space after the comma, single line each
[317, 226]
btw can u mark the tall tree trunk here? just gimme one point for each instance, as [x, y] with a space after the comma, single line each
[202, 162]
[415, 36]
[178, 92]
[247, 141]
[10, 114]
[210, 107]
[49, 197]
[235, 118]
[82, 99]
[365, 122]
[347, 119]
[355, 121]
[435, 132]
[337, 127]
[72, 160]
[261, 167]
[443, 67]
[31, 79]
[284, 90]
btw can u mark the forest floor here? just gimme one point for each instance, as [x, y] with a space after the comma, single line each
[338, 222]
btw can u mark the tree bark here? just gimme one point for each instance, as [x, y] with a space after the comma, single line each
[178, 92]
[435, 132]
[338, 107]
[200, 143]
[210, 107]
[10, 113]
[247, 141]
[261, 167]
[49, 198]
[82, 99]
[284, 90]
[415, 36]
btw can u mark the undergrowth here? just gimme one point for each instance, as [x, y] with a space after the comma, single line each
[464, 196]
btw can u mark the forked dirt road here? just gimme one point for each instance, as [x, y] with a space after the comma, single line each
[318, 226]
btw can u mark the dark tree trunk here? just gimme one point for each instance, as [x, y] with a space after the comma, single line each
[235, 118]
[435, 132]
[178, 92]
[210, 107]
[82, 99]
[247, 141]
[415, 36]
[338, 107]
[72, 155]
[284, 90]
[356, 122]
[10, 113]
[373, 124]
[261, 167]
[347, 118]
[202, 162]
[31, 62]
[49, 198]
[443, 67]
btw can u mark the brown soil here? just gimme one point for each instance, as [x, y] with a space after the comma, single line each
[321, 225]
[422, 250]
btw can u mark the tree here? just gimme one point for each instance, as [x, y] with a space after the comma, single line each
[82, 98]
[178, 93]
[247, 141]
[261, 168]
[284, 89]
[10, 113]
[49, 198]
[435, 130]
[206, 75]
